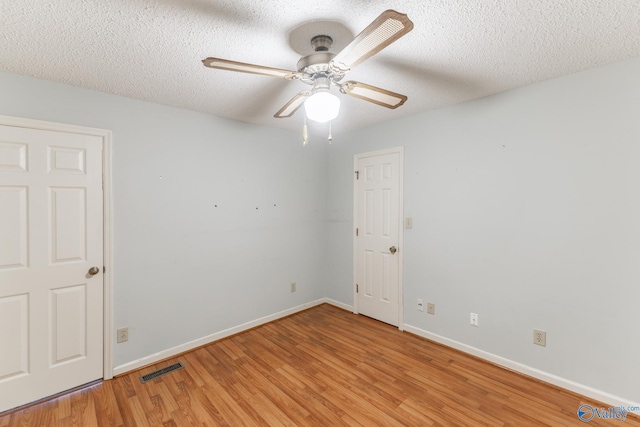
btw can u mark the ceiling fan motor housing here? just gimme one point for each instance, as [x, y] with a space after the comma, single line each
[315, 63]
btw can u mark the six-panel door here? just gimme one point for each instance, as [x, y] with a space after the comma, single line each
[51, 225]
[377, 264]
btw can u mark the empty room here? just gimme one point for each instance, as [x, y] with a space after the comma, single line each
[339, 213]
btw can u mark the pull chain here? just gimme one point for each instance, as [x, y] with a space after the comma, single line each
[330, 137]
[305, 135]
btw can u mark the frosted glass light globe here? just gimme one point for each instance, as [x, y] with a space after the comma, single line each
[322, 106]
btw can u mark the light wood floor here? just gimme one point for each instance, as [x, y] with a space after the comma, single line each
[321, 367]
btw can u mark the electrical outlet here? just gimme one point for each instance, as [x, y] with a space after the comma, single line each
[473, 319]
[540, 337]
[293, 286]
[431, 308]
[123, 334]
[420, 305]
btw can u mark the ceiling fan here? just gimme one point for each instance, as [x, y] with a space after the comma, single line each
[322, 69]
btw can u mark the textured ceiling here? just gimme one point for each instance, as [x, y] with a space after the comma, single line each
[458, 50]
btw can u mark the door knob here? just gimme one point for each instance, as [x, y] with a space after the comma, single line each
[393, 250]
[94, 270]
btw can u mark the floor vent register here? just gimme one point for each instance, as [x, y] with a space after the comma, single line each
[160, 372]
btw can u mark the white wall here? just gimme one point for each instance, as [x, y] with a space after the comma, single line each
[526, 209]
[185, 269]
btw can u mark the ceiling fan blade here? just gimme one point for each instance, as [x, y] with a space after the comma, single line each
[382, 97]
[292, 106]
[225, 64]
[384, 30]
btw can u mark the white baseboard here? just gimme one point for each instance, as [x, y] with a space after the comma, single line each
[582, 389]
[165, 354]
[339, 304]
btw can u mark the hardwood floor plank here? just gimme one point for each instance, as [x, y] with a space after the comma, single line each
[20, 419]
[270, 414]
[106, 405]
[195, 373]
[253, 374]
[139, 416]
[426, 414]
[346, 397]
[151, 406]
[232, 412]
[321, 367]
[168, 399]
[185, 414]
[207, 411]
[125, 409]
[64, 406]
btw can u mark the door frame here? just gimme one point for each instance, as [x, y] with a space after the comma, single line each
[106, 135]
[400, 253]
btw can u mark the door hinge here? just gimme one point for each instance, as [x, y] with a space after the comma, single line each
[357, 290]
[357, 174]
[357, 232]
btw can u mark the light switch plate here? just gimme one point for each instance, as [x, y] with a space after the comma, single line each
[473, 319]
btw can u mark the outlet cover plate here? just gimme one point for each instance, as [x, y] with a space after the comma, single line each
[540, 337]
[420, 305]
[123, 334]
[431, 308]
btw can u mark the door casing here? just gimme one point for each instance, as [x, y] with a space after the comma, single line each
[400, 253]
[106, 136]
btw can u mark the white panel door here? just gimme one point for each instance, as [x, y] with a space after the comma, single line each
[51, 225]
[378, 236]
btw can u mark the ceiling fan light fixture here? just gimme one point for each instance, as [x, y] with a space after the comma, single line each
[322, 106]
[322, 69]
